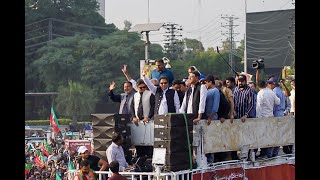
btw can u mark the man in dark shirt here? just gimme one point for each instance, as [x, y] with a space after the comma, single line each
[125, 99]
[243, 99]
[94, 161]
[114, 167]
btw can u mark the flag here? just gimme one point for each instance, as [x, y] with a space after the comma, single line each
[30, 148]
[26, 168]
[58, 176]
[38, 161]
[70, 165]
[43, 149]
[54, 121]
[47, 147]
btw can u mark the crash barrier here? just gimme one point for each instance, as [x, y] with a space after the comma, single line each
[217, 137]
[283, 166]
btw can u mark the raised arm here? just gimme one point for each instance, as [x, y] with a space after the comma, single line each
[113, 97]
[128, 77]
[286, 92]
[124, 70]
[150, 85]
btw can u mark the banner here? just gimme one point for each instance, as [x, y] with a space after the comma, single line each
[147, 67]
[278, 172]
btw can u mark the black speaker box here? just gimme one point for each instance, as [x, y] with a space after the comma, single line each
[173, 146]
[101, 144]
[115, 120]
[174, 159]
[175, 168]
[173, 120]
[173, 133]
[108, 131]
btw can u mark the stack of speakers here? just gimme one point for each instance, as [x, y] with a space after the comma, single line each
[104, 126]
[170, 133]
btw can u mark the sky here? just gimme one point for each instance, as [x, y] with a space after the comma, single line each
[200, 19]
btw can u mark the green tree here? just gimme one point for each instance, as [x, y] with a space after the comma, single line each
[193, 44]
[75, 100]
[127, 25]
[46, 20]
[92, 61]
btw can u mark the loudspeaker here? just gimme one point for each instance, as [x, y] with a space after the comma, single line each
[171, 133]
[115, 120]
[174, 159]
[173, 146]
[175, 168]
[108, 131]
[173, 120]
[104, 127]
[101, 144]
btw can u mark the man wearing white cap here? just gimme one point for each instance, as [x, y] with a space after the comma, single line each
[93, 160]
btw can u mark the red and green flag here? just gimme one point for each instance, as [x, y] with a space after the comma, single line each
[54, 121]
[47, 147]
[27, 168]
[38, 161]
[43, 149]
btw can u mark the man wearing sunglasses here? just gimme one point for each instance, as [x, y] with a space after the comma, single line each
[143, 111]
[166, 100]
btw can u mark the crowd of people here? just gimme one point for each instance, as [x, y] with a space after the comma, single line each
[207, 97]
[52, 160]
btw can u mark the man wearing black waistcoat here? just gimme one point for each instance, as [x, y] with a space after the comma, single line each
[166, 100]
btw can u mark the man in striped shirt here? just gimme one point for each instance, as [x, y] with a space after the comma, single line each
[243, 99]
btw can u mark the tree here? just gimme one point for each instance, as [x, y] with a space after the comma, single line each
[127, 25]
[46, 20]
[91, 61]
[76, 100]
[194, 44]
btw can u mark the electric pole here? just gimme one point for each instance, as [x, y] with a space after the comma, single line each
[172, 46]
[230, 36]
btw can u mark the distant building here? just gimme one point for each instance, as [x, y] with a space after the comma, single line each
[270, 35]
[102, 9]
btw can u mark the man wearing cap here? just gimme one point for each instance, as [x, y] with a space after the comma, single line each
[278, 110]
[94, 161]
[273, 84]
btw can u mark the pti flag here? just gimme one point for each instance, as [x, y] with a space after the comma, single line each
[54, 121]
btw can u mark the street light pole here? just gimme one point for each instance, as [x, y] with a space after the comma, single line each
[245, 38]
[148, 12]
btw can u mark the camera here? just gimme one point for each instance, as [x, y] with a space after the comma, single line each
[258, 64]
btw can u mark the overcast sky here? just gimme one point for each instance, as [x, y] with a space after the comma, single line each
[200, 19]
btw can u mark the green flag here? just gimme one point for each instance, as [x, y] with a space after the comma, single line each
[58, 176]
[70, 165]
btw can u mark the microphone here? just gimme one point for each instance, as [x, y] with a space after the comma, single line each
[237, 74]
